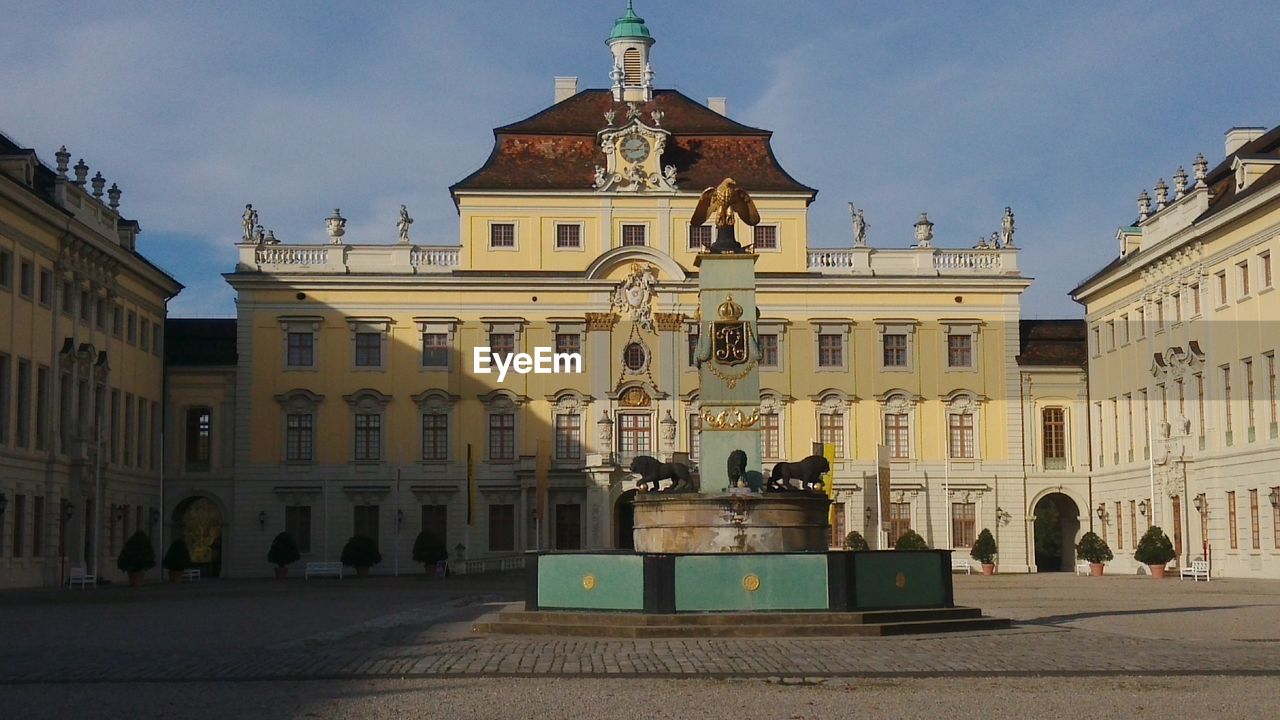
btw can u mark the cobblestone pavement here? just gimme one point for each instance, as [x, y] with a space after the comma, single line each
[418, 628]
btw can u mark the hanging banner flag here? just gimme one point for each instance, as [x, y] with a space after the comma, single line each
[471, 489]
[829, 481]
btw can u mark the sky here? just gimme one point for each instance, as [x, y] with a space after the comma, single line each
[1063, 111]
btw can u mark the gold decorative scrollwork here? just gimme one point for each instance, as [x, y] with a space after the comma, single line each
[730, 419]
[588, 582]
[751, 582]
[730, 381]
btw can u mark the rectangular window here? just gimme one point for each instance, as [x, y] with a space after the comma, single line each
[899, 520]
[1248, 397]
[1111, 335]
[131, 328]
[634, 436]
[42, 408]
[6, 269]
[1255, 531]
[831, 431]
[1226, 400]
[770, 435]
[1195, 299]
[85, 302]
[435, 350]
[155, 338]
[895, 350]
[502, 436]
[1124, 329]
[836, 540]
[568, 343]
[1119, 528]
[960, 432]
[766, 237]
[6, 383]
[1200, 403]
[435, 520]
[115, 426]
[633, 235]
[46, 287]
[501, 345]
[435, 436]
[1133, 523]
[297, 437]
[26, 279]
[37, 525]
[568, 526]
[695, 435]
[142, 432]
[963, 520]
[364, 521]
[1128, 420]
[692, 342]
[1160, 315]
[19, 524]
[1095, 333]
[699, 237]
[830, 350]
[1176, 300]
[1242, 272]
[568, 236]
[1271, 391]
[1053, 422]
[301, 349]
[897, 435]
[144, 335]
[117, 321]
[22, 434]
[368, 439]
[1232, 528]
[198, 430]
[569, 436]
[769, 350]
[100, 314]
[1275, 522]
[368, 349]
[68, 298]
[502, 528]
[959, 351]
[297, 522]
[1177, 525]
[128, 428]
[1264, 269]
[1221, 277]
[502, 235]
[1142, 322]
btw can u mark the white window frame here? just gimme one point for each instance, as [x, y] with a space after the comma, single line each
[436, 402]
[304, 324]
[777, 238]
[299, 401]
[896, 327]
[515, 236]
[379, 325]
[962, 327]
[582, 236]
[447, 326]
[648, 234]
[842, 328]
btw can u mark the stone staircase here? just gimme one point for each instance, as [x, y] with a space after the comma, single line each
[878, 623]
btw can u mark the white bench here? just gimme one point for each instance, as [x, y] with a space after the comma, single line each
[81, 577]
[959, 564]
[191, 575]
[319, 569]
[1082, 568]
[1198, 569]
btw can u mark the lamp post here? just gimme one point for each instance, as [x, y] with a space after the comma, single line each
[1142, 507]
[1275, 496]
[1101, 511]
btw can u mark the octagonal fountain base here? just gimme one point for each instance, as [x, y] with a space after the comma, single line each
[732, 522]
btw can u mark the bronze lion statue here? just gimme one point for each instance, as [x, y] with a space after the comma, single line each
[808, 471]
[653, 471]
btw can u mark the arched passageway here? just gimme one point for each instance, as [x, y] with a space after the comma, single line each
[198, 522]
[1057, 529]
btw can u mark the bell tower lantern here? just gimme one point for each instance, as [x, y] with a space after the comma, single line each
[632, 75]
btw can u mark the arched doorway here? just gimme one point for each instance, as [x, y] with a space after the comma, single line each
[624, 519]
[1057, 525]
[198, 522]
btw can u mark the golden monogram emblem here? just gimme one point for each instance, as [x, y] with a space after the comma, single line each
[751, 582]
[900, 581]
[729, 334]
[588, 582]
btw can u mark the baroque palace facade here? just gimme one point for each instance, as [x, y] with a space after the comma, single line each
[1184, 326]
[81, 372]
[345, 396]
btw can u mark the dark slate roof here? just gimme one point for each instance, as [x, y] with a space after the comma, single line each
[1221, 179]
[199, 342]
[1053, 342]
[556, 148]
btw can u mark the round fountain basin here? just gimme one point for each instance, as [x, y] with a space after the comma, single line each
[730, 522]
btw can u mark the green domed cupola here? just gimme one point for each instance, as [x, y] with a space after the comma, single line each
[631, 75]
[630, 26]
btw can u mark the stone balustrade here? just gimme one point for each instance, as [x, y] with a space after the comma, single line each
[348, 259]
[913, 261]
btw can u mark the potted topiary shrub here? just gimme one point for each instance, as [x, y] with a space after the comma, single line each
[429, 550]
[1154, 550]
[1094, 549]
[284, 550]
[984, 551]
[361, 553]
[176, 559]
[136, 558]
[855, 541]
[911, 540]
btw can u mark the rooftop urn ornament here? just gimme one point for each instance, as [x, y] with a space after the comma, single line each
[336, 226]
[270, 239]
[403, 224]
[259, 235]
[98, 184]
[1201, 167]
[113, 194]
[82, 172]
[1007, 228]
[1144, 206]
[615, 78]
[722, 204]
[1162, 195]
[657, 116]
[63, 158]
[924, 231]
[981, 244]
[633, 110]
[249, 220]
[859, 226]
[609, 115]
[1180, 183]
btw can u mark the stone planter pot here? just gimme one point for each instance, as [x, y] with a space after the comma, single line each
[988, 568]
[1095, 569]
[282, 572]
[1157, 571]
[136, 578]
[175, 576]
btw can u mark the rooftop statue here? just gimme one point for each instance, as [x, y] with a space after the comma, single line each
[723, 204]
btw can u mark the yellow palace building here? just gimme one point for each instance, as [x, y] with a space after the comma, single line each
[344, 397]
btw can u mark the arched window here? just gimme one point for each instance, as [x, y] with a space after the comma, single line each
[198, 437]
[961, 427]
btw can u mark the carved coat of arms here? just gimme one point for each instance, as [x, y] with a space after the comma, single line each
[635, 296]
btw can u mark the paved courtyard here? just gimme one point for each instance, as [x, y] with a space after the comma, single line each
[387, 643]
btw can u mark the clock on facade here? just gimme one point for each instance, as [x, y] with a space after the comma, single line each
[635, 148]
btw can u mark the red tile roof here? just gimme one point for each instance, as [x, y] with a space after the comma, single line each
[1053, 342]
[556, 149]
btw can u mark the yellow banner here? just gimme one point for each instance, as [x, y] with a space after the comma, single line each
[829, 480]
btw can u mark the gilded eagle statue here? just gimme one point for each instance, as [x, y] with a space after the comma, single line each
[722, 204]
